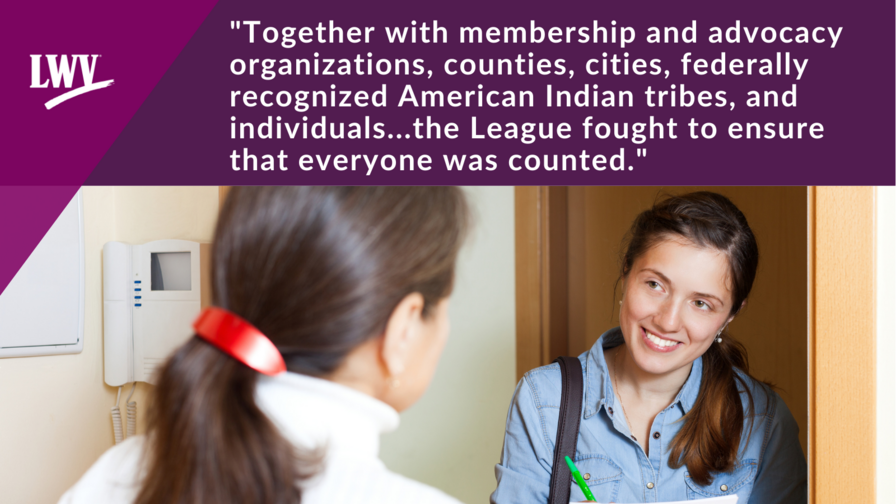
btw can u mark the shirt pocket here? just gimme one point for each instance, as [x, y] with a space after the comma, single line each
[602, 476]
[738, 481]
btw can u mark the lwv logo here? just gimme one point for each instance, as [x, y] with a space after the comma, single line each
[62, 72]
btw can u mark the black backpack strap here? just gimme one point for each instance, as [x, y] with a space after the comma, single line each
[572, 386]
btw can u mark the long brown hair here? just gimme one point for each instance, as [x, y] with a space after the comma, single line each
[318, 270]
[709, 440]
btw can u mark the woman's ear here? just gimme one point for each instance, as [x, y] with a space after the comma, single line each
[401, 329]
[744, 303]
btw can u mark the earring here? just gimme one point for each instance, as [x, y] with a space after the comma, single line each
[719, 337]
[394, 383]
[620, 302]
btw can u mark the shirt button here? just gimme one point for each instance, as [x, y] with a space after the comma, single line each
[656, 435]
[723, 488]
[610, 410]
[587, 476]
[650, 485]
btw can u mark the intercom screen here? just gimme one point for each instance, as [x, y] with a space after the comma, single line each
[170, 271]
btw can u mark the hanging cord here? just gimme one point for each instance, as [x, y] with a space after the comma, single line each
[132, 413]
[116, 419]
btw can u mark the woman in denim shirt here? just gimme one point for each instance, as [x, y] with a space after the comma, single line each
[669, 411]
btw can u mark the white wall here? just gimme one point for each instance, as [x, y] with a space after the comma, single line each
[54, 410]
[885, 265]
[452, 438]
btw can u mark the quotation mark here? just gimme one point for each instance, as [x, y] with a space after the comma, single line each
[234, 25]
[641, 152]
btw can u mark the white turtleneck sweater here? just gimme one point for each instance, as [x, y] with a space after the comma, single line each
[310, 413]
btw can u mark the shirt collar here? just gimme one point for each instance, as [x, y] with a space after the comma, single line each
[687, 396]
[312, 412]
[599, 391]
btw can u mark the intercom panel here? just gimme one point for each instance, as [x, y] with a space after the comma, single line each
[151, 295]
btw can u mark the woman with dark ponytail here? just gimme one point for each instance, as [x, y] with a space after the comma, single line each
[670, 411]
[330, 314]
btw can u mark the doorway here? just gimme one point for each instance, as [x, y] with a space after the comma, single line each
[809, 326]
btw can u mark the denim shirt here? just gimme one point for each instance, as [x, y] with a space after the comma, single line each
[770, 466]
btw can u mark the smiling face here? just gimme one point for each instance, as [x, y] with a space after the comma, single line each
[676, 297]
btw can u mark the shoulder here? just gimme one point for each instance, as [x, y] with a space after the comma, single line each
[369, 483]
[766, 402]
[414, 491]
[545, 383]
[112, 478]
[772, 423]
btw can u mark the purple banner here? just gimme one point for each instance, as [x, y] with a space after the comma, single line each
[819, 75]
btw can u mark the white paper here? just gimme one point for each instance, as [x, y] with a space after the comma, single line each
[728, 499]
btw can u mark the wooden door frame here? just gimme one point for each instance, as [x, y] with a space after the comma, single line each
[842, 364]
[841, 323]
[541, 297]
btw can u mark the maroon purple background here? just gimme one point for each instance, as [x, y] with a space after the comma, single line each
[166, 119]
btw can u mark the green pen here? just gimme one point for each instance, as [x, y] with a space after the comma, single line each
[576, 475]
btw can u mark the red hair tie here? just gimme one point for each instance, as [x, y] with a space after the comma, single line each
[239, 339]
